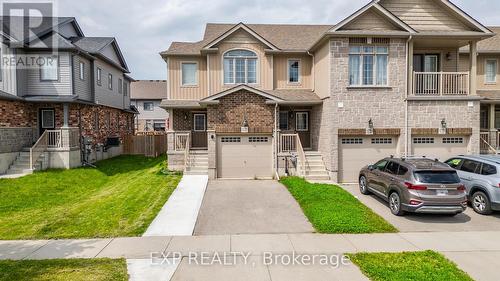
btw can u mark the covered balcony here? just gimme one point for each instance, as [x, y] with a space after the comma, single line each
[440, 68]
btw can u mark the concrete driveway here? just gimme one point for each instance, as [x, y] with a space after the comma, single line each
[249, 206]
[467, 221]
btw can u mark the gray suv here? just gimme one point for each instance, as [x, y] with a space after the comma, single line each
[481, 177]
[417, 185]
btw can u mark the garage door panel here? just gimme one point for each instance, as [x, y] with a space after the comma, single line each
[244, 157]
[357, 152]
[440, 147]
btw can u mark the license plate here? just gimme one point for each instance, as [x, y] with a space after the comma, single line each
[442, 192]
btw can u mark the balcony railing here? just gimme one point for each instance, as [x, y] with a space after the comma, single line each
[63, 138]
[441, 83]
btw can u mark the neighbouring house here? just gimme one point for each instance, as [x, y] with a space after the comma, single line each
[146, 97]
[488, 87]
[322, 101]
[59, 114]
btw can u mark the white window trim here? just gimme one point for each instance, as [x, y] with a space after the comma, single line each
[297, 120]
[81, 67]
[299, 82]
[486, 69]
[43, 125]
[99, 76]
[58, 70]
[204, 123]
[362, 54]
[195, 74]
[257, 68]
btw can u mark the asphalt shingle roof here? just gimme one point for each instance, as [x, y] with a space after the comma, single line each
[92, 45]
[148, 89]
[489, 45]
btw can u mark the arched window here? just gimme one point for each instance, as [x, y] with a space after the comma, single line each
[240, 67]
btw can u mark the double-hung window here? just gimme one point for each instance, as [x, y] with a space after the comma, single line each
[110, 81]
[189, 73]
[368, 65]
[491, 71]
[49, 70]
[293, 71]
[120, 85]
[99, 76]
[240, 67]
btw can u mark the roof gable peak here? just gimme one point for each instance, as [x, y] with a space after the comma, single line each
[235, 28]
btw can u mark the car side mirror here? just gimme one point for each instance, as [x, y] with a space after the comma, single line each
[371, 167]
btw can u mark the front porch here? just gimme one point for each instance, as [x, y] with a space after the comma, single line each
[247, 134]
[490, 128]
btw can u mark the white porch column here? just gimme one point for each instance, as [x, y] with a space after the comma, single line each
[473, 67]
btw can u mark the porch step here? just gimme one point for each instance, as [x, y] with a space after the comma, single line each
[21, 164]
[315, 166]
[318, 178]
[198, 163]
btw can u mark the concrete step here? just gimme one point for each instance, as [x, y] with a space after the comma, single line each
[26, 149]
[196, 173]
[19, 171]
[317, 173]
[198, 168]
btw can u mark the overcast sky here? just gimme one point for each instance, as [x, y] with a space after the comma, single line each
[146, 27]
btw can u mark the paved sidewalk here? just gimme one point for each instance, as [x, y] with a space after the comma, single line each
[475, 252]
[178, 216]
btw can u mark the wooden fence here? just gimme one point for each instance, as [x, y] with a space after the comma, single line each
[147, 145]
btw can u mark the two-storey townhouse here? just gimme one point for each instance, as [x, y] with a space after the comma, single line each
[63, 113]
[146, 97]
[488, 87]
[259, 99]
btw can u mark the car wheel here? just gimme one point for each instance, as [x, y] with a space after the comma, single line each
[395, 204]
[363, 185]
[481, 203]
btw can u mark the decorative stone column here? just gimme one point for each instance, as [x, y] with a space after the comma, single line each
[493, 131]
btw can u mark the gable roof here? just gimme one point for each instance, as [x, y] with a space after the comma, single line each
[236, 28]
[148, 89]
[239, 88]
[381, 10]
[285, 37]
[96, 46]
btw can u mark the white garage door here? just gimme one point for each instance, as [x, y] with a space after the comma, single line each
[357, 152]
[440, 147]
[244, 157]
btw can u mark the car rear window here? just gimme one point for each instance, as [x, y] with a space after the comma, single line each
[437, 177]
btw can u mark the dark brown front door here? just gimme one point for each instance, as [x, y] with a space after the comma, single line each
[302, 128]
[46, 119]
[199, 133]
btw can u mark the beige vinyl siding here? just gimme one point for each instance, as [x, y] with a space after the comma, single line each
[241, 40]
[82, 88]
[424, 15]
[103, 95]
[8, 83]
[322, 71]
[179, 92]
[481, 60]
[281, 72]
[63, 86]
[370, 20]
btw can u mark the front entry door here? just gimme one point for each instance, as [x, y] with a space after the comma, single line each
[302, 128]
[199, 133]
[46, 119]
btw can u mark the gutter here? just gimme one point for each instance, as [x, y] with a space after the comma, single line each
[294, 102]
[313, 70]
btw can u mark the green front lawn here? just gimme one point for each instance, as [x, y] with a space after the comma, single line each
[63, 270]
[413, 266]
[119, 198]
[331, 209]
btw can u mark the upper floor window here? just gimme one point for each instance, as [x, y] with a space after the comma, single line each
[293, 71]
[491, 71]
[368, 65]
[110, 81]
[148, 106]
[82, 70]
[49, 70]
[125, 88]
[99, 76]
[189, 70]
[240, 67]
[120, 85]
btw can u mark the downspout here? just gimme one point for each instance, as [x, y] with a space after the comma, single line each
[313, 71]
[208, 74]
[406, 98]
[276, 140]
